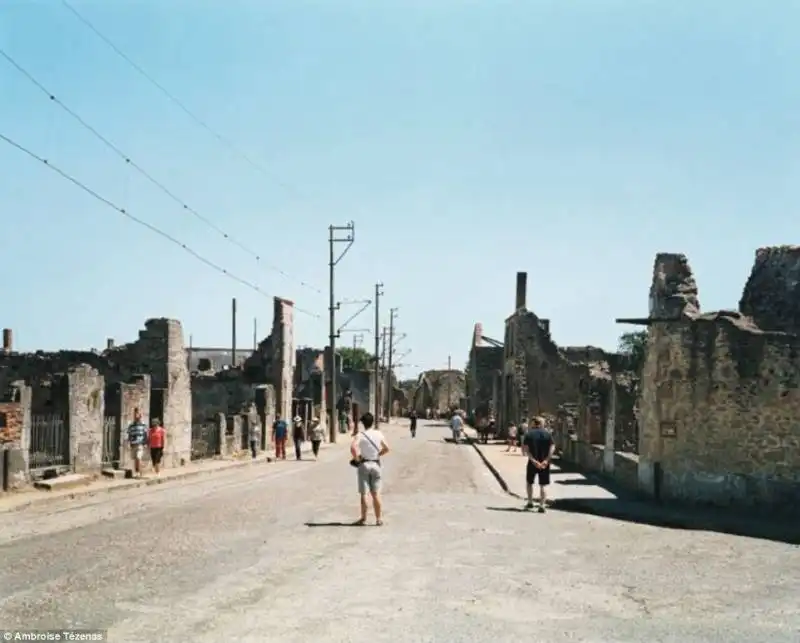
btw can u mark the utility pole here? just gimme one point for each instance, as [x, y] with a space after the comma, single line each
[348, 238]
[392, 314]
[233, 332]
[377, 365]
[449, 384]
[384, 352]
[255, 334]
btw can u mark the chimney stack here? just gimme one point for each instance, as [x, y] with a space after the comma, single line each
[8, 340]
[522, 288]
[109, 343]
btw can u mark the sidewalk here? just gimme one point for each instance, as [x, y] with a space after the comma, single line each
[30, 497]
[575, 492]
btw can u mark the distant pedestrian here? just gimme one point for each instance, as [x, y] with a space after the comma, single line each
[316, 434]
[456, 426]
[156, 438]
[280, 432]
[521, 431]
[367, 449]
[539, 446]
[298, 436]
[512, 437]
[254, 430]
[413, 418]
[137, 437]
[489, 430]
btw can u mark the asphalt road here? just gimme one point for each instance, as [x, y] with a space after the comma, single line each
[229, 557]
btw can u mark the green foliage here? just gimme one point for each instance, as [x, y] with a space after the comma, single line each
[634, 345]
[356, 359]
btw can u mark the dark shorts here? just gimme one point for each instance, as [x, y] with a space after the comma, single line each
[156, 453]
[532, 472]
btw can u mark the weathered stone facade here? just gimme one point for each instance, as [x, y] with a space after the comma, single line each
[484, 374]
[720, 401]
[439, 390]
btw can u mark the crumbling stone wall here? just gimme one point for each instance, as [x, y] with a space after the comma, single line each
[15, 432]
[720, 396]
[284, 364]
[86, 402]
[771, 296]
[484, 366]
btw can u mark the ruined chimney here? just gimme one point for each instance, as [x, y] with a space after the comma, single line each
[522, 288]
[109, 343]
[8, 340]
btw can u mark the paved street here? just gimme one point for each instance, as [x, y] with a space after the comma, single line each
[231, 557]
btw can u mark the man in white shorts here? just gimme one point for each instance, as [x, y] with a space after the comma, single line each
[367, 448]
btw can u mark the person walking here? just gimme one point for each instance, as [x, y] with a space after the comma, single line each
[413, 418]
[280, 432]
[316, 434]
[539, 446]
[367, 448]
[254, 431]
[298, 437]
[137, 437]
[156, 437]
[512, 437]
[456, 426]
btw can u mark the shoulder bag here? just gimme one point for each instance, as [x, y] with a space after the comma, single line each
[356, 462]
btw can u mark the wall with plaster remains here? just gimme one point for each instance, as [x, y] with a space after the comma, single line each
[720, 401]
[86, 404]
[484, 371]
[284, 364]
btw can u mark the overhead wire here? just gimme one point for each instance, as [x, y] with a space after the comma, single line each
[161, 186]
[155, 229]
[226, 142]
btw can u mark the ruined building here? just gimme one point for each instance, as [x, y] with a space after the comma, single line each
[67, 410]
[541, 378]
[440, 390]
[484, 373]
[720, 398]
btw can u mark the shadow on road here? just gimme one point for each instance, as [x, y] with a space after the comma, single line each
[646, 513]
[333, 524]
[511, 509]
[578, 482]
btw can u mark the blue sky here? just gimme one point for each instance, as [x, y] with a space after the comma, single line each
[467, 140]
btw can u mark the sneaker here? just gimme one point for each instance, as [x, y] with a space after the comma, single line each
[529, 505]
[542, 508]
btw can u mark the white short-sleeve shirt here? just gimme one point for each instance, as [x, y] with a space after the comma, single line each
[367, 450]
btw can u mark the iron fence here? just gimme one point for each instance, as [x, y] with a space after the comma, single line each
[111, 441]
[205, 440]
[49, 442]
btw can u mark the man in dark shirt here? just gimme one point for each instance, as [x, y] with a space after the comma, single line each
[413, 417]
[539, 446]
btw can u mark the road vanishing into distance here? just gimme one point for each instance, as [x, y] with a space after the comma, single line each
[265, 553]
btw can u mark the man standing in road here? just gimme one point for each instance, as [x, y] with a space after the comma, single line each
[367, 448]
[137, 436]
[538, 445]
[280, 431]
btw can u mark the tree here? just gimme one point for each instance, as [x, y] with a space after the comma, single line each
[634, 345]
[356, 359]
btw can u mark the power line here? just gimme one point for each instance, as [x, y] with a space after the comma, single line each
[226, 142]
[141, 222]
[52, 97]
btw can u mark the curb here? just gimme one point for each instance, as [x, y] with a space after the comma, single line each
[44, 498]
[500, 480]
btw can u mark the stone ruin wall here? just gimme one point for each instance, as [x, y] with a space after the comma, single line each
[284, 363]
[79, 385]
[483, 375]
[720, 400]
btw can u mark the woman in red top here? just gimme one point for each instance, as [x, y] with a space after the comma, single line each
[155, 439]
